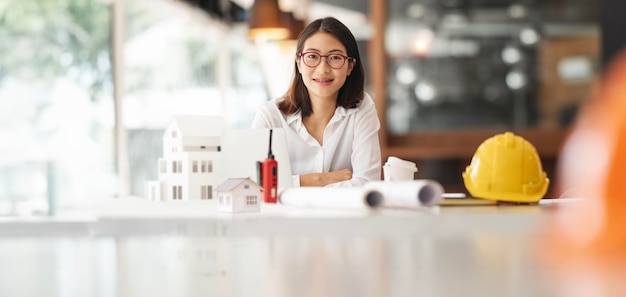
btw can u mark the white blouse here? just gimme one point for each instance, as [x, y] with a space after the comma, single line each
[350, 142]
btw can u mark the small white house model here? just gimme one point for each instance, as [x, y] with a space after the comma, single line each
[239, 195]
[191, 154]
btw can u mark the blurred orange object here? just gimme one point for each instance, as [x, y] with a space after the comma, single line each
[592, 166]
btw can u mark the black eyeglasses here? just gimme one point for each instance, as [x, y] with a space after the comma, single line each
[335, 61]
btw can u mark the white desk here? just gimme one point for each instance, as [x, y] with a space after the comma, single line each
[191, 250]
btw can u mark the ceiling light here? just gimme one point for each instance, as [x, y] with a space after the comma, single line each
[529, 36]
[517, 11]
[266, 21]
[422, 42]
[511, 55]
[416, 11]
[516, 80]
[294, 25]
[406, 74]
[425, 92]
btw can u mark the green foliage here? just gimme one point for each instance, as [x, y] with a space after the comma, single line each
[203, 71]
[42, 40]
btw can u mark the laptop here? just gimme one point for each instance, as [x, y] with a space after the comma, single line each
[241, 149]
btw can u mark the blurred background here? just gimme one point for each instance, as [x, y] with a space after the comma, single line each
[88, 86]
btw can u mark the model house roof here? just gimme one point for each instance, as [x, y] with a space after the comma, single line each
[198, 125]
[232, 183]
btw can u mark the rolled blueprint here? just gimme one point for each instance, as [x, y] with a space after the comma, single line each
[355, 198]
[413, 193]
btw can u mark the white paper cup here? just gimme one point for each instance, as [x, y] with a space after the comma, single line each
[396, 169]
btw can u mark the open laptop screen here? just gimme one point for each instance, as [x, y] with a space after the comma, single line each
[241, 149]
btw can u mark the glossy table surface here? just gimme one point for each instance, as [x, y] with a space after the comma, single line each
[141, 248]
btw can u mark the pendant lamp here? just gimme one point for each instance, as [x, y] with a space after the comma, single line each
[266, 21]
[295, 25]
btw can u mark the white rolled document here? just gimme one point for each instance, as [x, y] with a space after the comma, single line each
[355, 198]
[413, 193]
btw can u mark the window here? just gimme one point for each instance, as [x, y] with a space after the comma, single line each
[203, 167]
[162, 166]
[206, 192]
[210, 166]
[177, 167]
[41, 91]
[194, 166]
[180, 60]
[177, 60]
[251, 200]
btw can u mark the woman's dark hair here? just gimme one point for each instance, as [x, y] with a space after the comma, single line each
[350, 94]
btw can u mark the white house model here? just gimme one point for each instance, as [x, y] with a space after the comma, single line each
[239, 195]
[191, 154]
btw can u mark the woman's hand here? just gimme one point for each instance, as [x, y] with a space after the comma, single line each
[322, 179]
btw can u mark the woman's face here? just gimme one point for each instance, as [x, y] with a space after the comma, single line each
[324, 81]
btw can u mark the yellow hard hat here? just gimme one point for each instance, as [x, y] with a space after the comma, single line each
[506, 167]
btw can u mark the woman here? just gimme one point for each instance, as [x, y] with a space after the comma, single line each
[330, 122]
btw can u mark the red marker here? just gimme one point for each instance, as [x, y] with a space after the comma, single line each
[268, 175]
